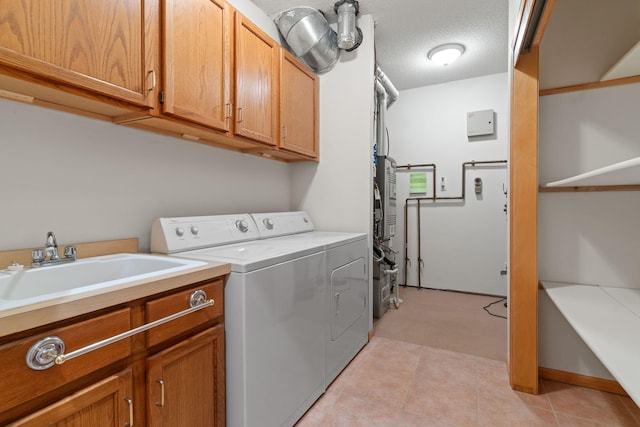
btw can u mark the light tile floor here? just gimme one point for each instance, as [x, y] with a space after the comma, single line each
[396, 384]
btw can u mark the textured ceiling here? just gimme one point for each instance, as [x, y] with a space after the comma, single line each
[407, 29]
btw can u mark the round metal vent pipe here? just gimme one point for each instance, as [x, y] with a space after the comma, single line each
[381, 119]
[392, 92]
[309, 36]
[349, 36]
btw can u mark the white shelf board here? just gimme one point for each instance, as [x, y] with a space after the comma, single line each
[609, 328]
[627, 66]
[622, 173]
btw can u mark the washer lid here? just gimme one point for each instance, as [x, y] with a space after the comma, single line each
[249, 256]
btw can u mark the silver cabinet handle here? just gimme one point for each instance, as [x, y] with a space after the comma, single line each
[337, 295]
[227, 110]
[197, 298]
[130, 403]
[161, 403]
[284, 132]
[47, 351]
[239, 115]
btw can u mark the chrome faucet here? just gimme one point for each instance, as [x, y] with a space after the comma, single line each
[39, 256]
[51, 247]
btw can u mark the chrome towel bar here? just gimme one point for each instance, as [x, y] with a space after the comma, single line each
[50, 350]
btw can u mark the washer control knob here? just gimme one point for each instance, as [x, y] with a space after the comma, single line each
[194, 230]
[305, 219]
[180, 231]
[242, 225]
[268, 223]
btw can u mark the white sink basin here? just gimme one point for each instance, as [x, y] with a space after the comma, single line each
[35, 285]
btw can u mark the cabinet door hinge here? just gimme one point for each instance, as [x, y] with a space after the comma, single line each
[161, 97]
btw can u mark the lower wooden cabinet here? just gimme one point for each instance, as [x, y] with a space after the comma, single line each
[108, 403]
[174, 377]
[185, 383]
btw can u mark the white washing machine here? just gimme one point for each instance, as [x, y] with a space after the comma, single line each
[277, 305]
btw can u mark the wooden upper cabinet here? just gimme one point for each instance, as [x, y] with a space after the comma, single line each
[298, 107]
[256, 90]
[96, 45]
[197, 61]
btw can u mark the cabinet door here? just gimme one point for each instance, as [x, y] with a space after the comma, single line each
[185, 383]
[257, 57]
[197, 61]
[298, 107]
[107, 403]
[96, 45]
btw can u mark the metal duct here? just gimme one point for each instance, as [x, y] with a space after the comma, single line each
[381, 119]
[310, 37]
[392, 92]
[386, 94]
[349, 36]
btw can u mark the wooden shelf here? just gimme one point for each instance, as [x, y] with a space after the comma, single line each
[608, 321]
[622, 176]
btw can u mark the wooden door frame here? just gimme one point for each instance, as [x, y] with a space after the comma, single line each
[523, 284]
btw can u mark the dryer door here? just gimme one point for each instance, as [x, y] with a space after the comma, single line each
[348, 296]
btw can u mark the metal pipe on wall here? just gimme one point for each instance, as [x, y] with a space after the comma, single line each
[381, 122]
[406, 244]
[464, 165]
[388, 86]
[420, 262]
[432, 198]
[423, 165]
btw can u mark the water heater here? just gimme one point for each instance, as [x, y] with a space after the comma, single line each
[386, 180]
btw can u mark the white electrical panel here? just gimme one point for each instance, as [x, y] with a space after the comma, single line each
[480, 123]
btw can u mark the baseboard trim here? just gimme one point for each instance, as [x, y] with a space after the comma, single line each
[581, 380]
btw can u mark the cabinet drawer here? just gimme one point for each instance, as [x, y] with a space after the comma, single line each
[19, 383]
[166, 306]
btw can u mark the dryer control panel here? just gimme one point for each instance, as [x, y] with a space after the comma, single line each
[276, 224]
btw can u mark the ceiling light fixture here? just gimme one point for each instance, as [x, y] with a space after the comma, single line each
[446, 53]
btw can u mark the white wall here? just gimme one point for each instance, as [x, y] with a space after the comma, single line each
[589, 238]
[463, 245]
[89, 180]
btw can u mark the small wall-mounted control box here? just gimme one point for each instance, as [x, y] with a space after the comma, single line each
[480, 123]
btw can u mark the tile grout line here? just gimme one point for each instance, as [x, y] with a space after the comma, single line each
[477, 382]
[413, 380]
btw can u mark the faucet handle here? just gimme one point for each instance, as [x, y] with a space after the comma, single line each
[37, 255]
[70, 252]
